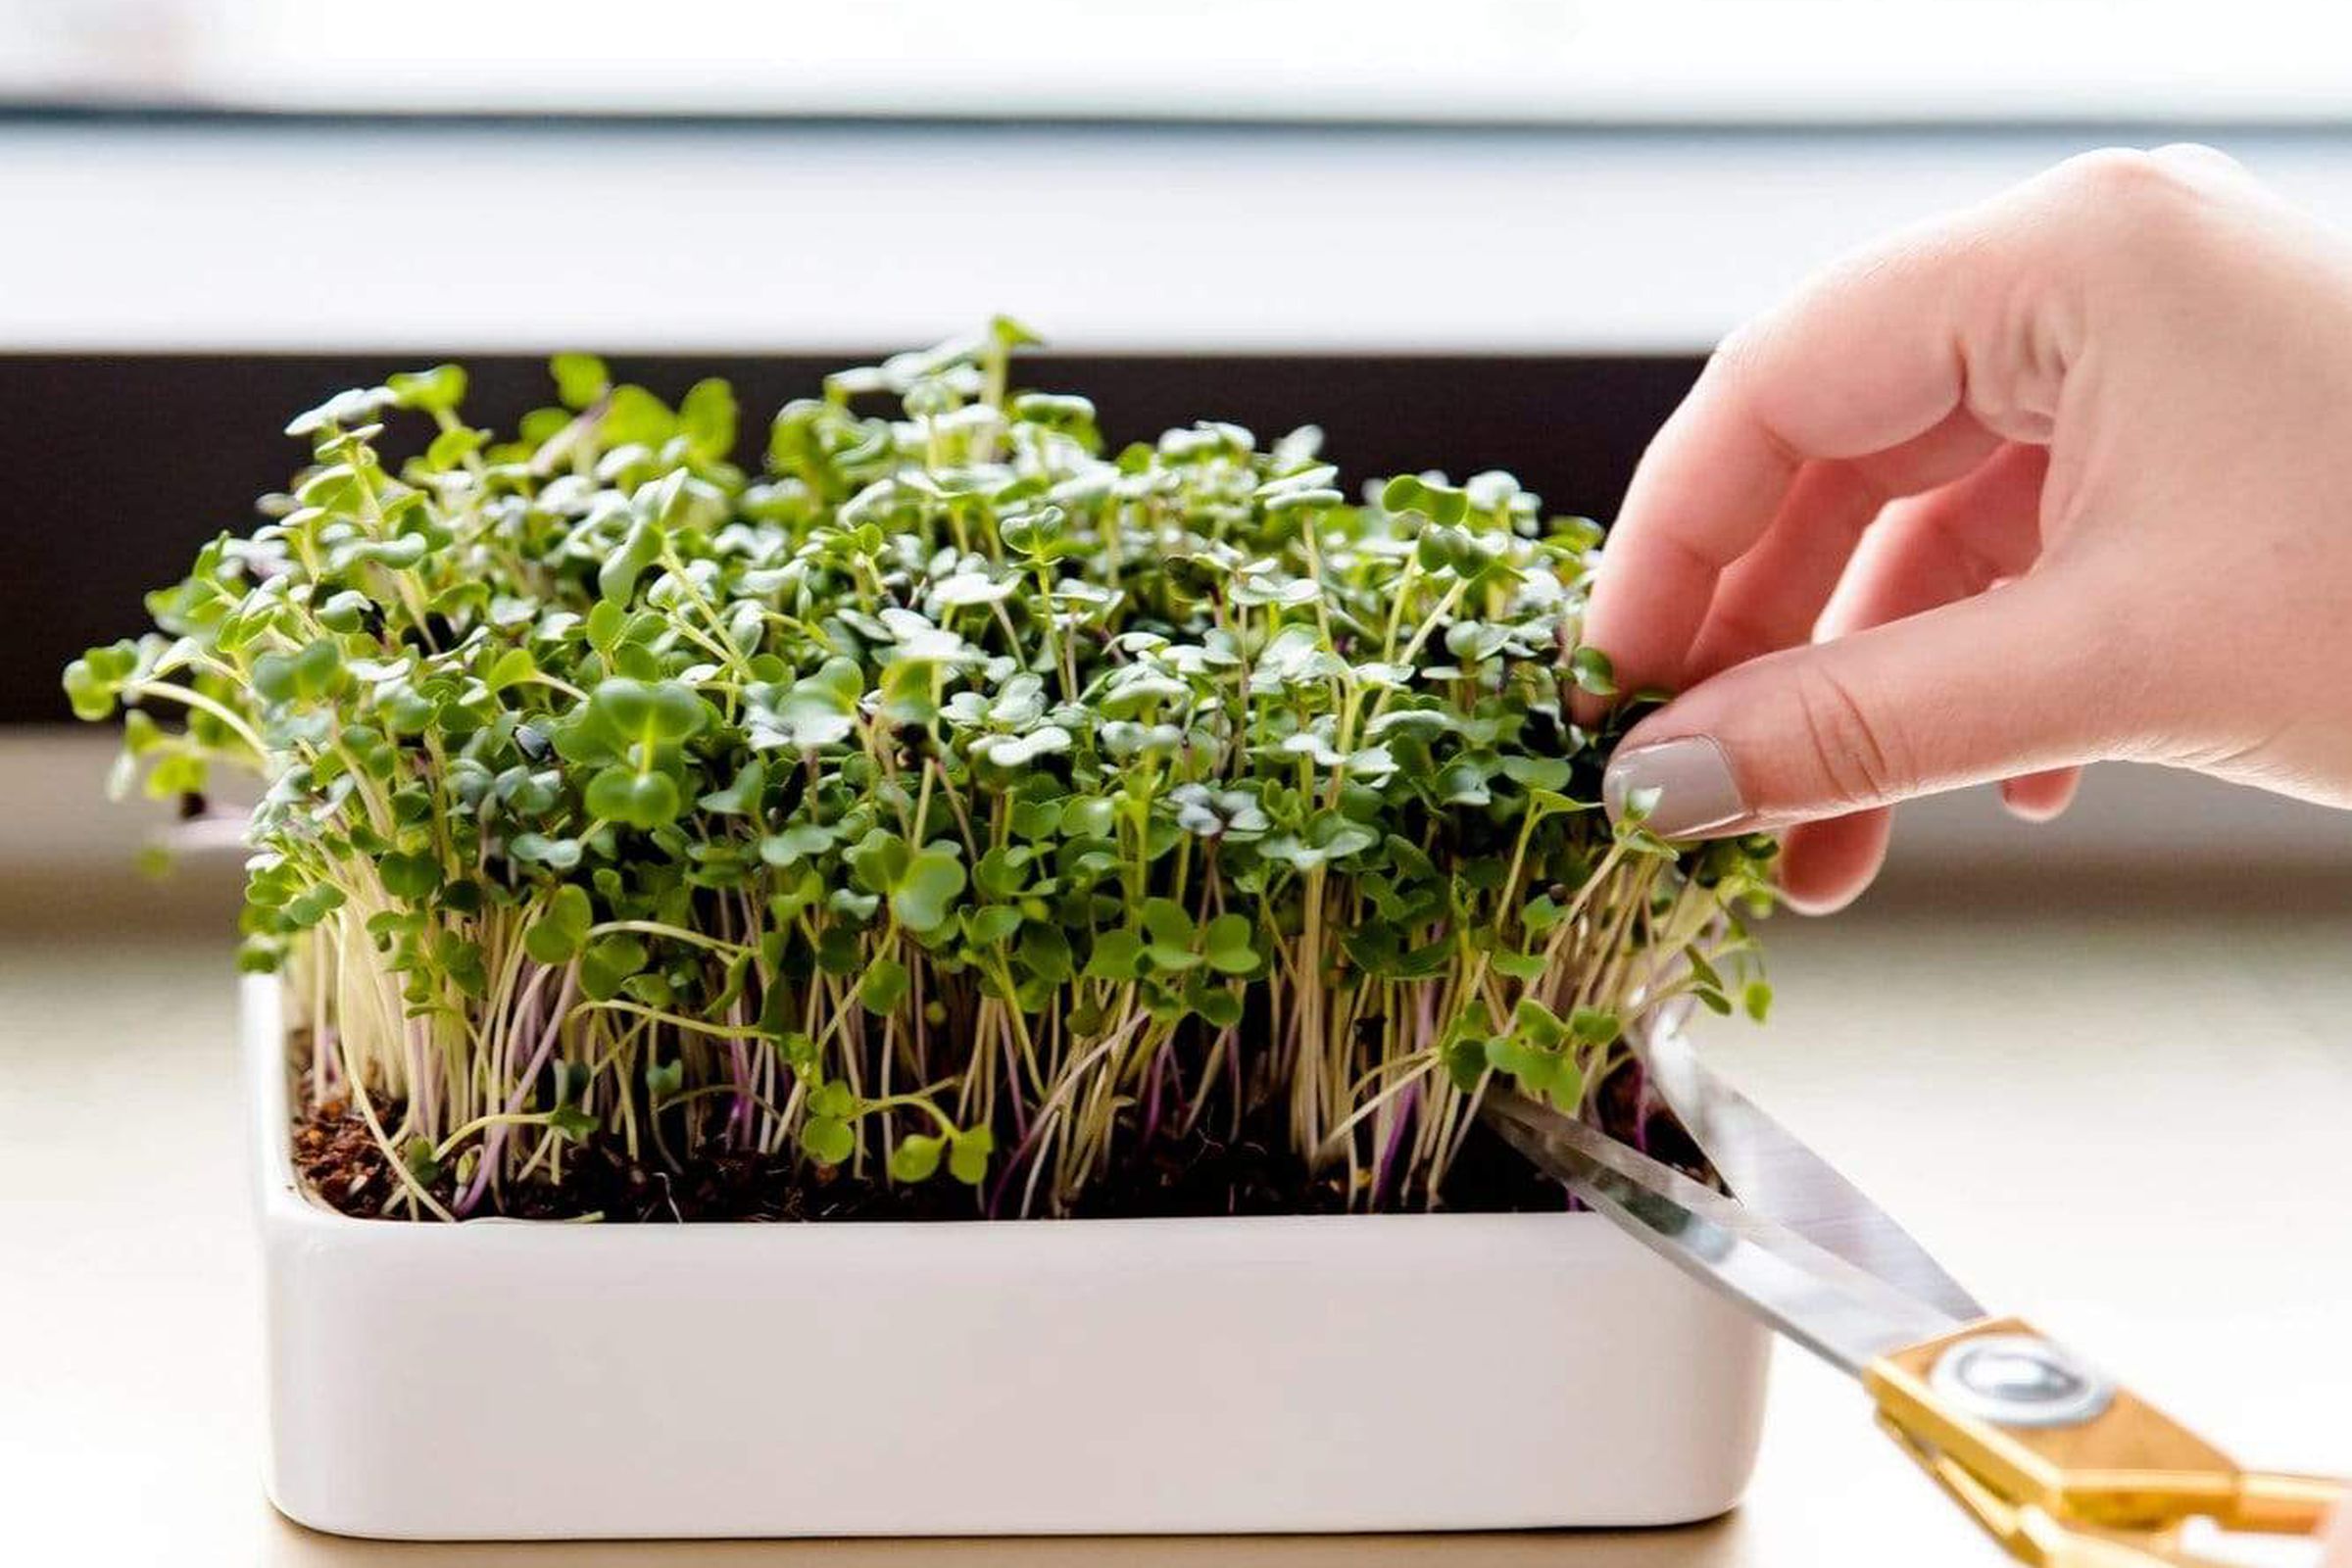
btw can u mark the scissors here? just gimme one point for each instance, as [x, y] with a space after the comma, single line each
[2061, 1466]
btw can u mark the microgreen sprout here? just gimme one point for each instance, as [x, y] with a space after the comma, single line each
[952, 799]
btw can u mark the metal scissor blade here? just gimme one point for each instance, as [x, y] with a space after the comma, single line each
[1835, 1309]
[1775, 1175]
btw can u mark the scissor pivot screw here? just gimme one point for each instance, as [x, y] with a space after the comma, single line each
[2019, 1380]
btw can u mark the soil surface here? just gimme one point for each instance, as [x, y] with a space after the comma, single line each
[1206, 1173]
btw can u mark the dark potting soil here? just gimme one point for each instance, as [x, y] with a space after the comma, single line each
[1207, 1172]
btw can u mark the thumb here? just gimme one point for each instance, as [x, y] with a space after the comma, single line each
[2015, 680]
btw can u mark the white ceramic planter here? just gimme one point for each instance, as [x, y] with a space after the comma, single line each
[511, 1378]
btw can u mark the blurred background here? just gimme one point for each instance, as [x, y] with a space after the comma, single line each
[1464, 234]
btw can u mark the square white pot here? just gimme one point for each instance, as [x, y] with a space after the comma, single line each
[505, 1379]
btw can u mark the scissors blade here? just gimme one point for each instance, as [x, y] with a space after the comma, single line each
[1847, 1316]
[1777, 1176]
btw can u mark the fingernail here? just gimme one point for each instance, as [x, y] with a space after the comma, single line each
[1692, 779]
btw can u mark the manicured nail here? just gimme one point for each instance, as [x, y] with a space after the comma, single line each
[1694, 791]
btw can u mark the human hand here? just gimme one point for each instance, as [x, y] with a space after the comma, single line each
[2063, 478]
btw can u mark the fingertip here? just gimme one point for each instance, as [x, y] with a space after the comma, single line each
[2041, 797]
[1825, 866]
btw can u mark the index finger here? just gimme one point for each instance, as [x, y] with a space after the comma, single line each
[1872, 354]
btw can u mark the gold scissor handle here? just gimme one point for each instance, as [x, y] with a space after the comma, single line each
[2273, 1503]
[2071, 1473]
[2028, 1534]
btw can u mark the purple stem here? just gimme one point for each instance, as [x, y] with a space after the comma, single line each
[497, 1138]
[1028, 1137]
[1409, 1106]
[1012, 1166]
[1151, 1092]
[739, 1119]
[1013, 1091]
[738, 1067]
